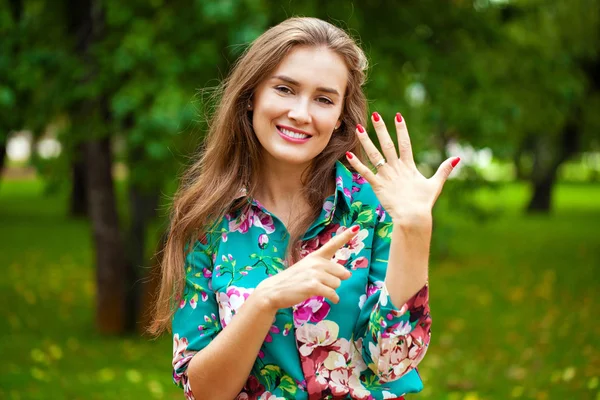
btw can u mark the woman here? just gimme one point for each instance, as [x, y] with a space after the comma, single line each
[285, 274]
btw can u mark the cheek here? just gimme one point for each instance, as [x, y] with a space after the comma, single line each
[326, 120]
[269, 107]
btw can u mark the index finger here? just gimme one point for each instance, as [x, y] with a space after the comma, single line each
[329, 249]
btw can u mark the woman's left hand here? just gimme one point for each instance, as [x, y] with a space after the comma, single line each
[407, 196]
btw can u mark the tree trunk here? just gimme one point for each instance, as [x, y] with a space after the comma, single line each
[85, 24]
[541, 200]
[549, 154]
[78, 206]
[111, 260]
[143, 205]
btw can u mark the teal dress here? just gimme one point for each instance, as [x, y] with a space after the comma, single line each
[364, 347]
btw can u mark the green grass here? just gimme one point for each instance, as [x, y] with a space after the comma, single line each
[515, 305]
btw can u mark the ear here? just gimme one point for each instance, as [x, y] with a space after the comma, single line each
[337, 126]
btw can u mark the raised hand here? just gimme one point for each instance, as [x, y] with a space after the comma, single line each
[403, 191]
[314, 275]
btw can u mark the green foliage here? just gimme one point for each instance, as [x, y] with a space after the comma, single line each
[491, 74]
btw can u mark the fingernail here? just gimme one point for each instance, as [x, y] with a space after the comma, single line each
[398, 117]
[455, 161]
[355, 228]
[376, 116]
[349, 155]
[360, 128]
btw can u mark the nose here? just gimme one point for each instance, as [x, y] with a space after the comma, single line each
[299, 112]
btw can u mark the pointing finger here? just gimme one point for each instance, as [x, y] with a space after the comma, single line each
[329, 249]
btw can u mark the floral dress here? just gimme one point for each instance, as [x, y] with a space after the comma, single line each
[364, 347]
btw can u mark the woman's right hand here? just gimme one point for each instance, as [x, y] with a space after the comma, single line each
[314, 275]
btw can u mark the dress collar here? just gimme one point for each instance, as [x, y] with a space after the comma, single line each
[344, 183]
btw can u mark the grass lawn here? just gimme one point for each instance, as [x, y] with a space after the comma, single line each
[515, 306]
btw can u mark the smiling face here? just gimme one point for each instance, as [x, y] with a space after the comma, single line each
[299, 105]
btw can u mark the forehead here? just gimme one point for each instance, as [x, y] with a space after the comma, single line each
[315, 67]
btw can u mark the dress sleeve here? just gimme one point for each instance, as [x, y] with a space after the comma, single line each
[196, 320]
[394, 339]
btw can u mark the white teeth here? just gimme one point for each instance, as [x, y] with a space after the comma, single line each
[294, 135]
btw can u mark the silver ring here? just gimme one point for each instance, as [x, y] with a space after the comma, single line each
[380, 163]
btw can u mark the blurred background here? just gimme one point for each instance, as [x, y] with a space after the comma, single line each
[104, 102]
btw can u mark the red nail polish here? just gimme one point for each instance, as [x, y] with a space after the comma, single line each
[455, 161]
[349, 155]
[360, 128]
[398, 117]
[355, 228]
[376, 117]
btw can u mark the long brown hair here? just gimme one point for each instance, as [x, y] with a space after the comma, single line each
[231, 156]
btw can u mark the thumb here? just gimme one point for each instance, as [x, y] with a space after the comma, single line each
[329, 249]
[445, 170]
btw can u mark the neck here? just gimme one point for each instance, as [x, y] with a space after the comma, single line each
[280, 185]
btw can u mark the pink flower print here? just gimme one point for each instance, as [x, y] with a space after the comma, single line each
[347, 193]
[380, 213]
[313, 336]
[400, 329]
[231, 301]
[263, 220]
[339, 182]
[357, 178]
[339, 382]
[273, 330]
[371, 290]
[270, 396]
[309, 246]
[328, 206]
[263, 241]
[357, 390]
[315, 373]
[194, 301]
[241, 224]
[314, 309]
[252, 389]
[355, 245]
[313, 244]
[360, 262]
[181, 355]
[326, 235]
[393, 357]
[207, 273]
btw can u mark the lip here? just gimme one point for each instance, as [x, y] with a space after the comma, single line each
[291, 139]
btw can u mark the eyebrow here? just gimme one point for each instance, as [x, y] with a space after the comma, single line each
[295, 82]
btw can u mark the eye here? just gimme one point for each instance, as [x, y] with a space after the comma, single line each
[283, 89]
[324, 100]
